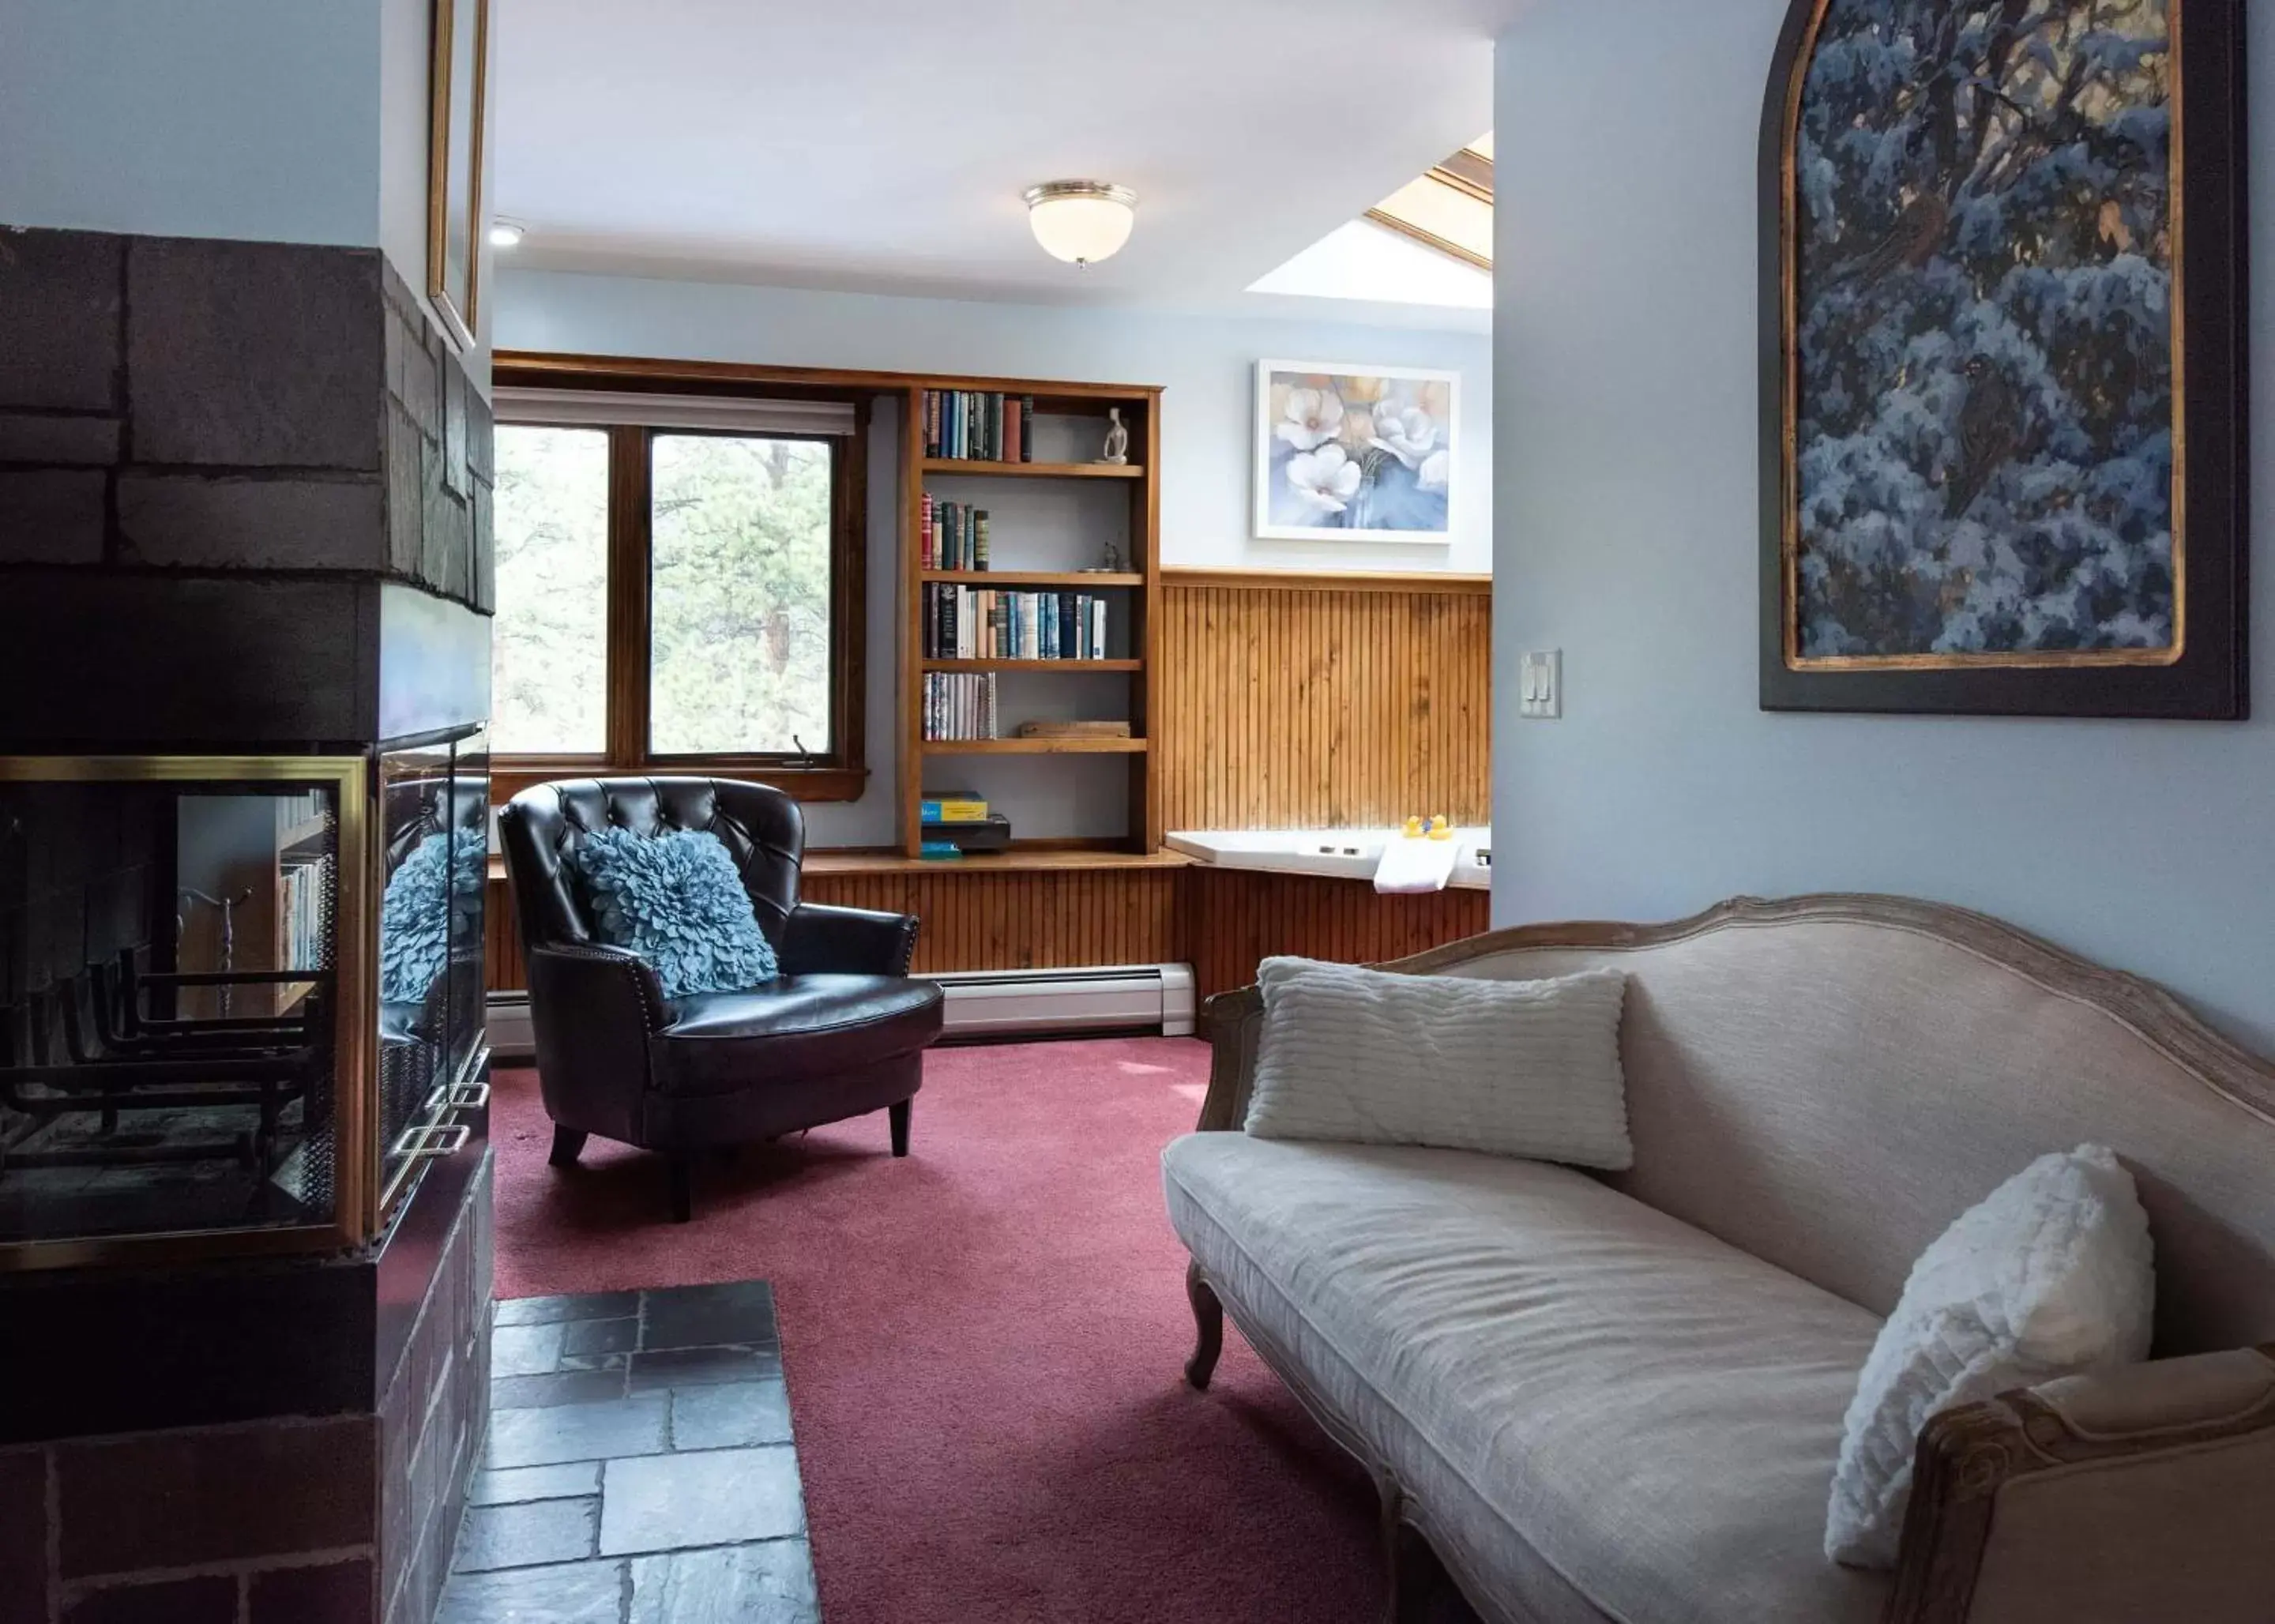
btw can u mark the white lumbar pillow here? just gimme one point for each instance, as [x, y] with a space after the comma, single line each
[2050, 1275]
[1512, 1068]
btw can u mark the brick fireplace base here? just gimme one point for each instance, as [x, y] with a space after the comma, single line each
[344, 1519]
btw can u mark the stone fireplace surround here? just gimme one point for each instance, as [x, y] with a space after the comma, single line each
[245, 505]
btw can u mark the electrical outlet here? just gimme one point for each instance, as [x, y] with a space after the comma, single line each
[1540, 684]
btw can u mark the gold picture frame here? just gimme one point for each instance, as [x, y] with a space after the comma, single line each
[457, 90]
[1933, 308]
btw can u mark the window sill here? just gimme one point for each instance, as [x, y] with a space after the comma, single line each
[508, 779]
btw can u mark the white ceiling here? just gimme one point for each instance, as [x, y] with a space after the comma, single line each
[883, 144]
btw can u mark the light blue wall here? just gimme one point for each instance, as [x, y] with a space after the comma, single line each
[1206, 362]
[1626, 535]
[252, 119]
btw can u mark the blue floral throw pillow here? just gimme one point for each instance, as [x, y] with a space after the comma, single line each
[676, 900]
[414, 921]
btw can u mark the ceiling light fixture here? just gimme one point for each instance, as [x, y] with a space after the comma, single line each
[1081, 222]
[506, 234]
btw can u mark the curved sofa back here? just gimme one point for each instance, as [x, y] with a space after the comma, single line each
[1827, 1082]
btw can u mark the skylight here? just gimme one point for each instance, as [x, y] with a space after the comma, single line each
[1428, 243]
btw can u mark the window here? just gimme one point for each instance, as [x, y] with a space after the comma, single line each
[679, 585]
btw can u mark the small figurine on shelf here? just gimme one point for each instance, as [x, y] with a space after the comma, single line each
[1111, 564]
[1117, 438]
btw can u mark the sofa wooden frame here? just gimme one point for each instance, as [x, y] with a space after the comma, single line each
[1966, 1455]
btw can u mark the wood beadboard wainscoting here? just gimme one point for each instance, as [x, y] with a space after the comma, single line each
[1324, 701]
[1288, 701]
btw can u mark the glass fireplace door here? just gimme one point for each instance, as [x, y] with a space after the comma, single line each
[433, 855]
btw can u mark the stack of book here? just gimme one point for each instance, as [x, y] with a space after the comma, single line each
[977, 426]
[984, 623]
[955, 822]
[952, 535]
[959, 705]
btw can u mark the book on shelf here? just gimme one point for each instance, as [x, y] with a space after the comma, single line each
[979, 426]
[959, 705]
[952, 807]
[989, 834]
[952, 535]
[1074, 729]
[987, 623]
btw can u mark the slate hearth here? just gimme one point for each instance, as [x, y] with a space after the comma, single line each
[639, 1468]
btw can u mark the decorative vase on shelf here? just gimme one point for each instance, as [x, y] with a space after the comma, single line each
[1117, 438]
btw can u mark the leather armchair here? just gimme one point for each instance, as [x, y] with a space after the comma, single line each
[840, 1033]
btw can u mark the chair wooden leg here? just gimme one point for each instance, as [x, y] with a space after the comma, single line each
[681, 1171]
[568, 1144]
[899, 1114]
[1209, 1328]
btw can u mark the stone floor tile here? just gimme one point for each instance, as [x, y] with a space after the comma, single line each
[572, 1593]
[700, 1367]
[709, 1498]
[527, 1535]
[586, 1337]
[542, 1310]
[732, 1416]
[517, 1483]
[767, 1583]
[563, 1387]
[708, 1316]
[525, 1350]
[576, 1432]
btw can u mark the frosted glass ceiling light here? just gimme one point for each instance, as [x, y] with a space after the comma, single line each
[506, 233]
[1081, 222]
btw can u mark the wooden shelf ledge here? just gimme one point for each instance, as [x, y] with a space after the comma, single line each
[1076, 744]
[1085, 578]
[1034, 665]
[1035, 470]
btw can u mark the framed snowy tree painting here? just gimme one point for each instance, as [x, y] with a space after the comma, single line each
[2003, 337]
[1348, 453]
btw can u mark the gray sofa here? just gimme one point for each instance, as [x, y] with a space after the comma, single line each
[1620, 1397]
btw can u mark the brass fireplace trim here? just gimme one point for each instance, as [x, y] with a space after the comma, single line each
[355, 1106]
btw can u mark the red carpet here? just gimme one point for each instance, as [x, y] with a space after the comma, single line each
[984, 1345]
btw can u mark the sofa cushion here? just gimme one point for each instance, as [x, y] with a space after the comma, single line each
[793, 1027]
[1593, 1404]
[1513, 1068]
[2051, 1274]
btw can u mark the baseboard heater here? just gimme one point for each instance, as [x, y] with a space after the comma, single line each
[989, 1003]
[986, 1003]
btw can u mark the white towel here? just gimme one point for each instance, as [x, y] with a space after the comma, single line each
[1410, 866]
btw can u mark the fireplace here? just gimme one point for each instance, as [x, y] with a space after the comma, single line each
[245, 1171]
[241, 998]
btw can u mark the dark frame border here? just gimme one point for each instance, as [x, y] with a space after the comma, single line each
[2210, 679]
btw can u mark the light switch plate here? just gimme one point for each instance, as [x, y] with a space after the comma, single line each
[1540, 684]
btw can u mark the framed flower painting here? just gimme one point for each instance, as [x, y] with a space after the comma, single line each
[1354, 453]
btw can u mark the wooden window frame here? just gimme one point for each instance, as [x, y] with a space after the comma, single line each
[840, 772]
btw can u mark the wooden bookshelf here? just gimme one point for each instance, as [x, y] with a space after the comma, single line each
[1070, 419]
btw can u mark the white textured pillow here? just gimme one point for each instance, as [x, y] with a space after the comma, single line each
[2050, 1275]
[1512, 1068]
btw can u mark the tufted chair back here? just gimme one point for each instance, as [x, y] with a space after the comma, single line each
[760, 827]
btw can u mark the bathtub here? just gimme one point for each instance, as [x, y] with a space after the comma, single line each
[1339, 854]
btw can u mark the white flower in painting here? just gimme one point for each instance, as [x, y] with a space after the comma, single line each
[1405, 432]
[1313, 415]
[1325, 479]
[1432, 475]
